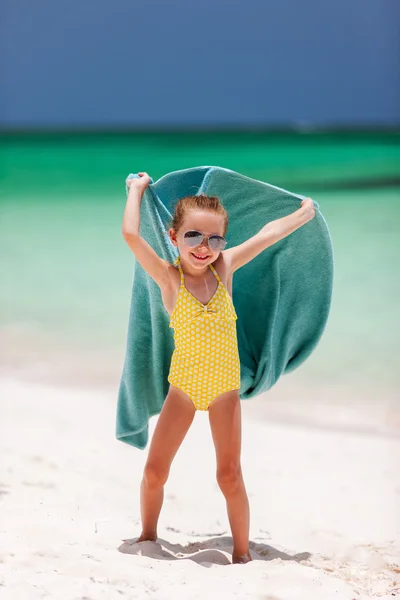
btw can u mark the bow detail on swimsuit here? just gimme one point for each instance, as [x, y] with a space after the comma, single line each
[206, 311]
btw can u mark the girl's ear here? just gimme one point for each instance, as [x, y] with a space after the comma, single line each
[172, 237]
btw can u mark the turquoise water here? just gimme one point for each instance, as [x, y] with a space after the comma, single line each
[66, 270]
[66, 274]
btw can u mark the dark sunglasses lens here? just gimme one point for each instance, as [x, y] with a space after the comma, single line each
[216, 242]
[193, 238]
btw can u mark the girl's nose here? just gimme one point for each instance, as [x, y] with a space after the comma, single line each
[203, 245]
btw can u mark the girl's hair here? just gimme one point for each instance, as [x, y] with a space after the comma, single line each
[201, 202]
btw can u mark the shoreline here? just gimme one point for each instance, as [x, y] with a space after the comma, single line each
[294, 400]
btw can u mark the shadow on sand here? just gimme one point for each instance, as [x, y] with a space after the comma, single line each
[206, 553]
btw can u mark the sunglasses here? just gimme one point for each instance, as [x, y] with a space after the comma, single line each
[194, 238]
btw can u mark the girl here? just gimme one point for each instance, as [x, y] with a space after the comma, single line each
[205, 368]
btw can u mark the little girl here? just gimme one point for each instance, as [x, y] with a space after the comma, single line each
[205, 367]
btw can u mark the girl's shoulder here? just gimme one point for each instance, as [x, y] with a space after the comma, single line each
[221, 266]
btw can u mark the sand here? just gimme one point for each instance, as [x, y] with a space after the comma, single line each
[325, 507]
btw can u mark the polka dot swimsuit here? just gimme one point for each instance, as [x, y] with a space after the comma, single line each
[205, 362]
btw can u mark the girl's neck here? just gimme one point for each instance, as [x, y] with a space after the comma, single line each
[194, 273]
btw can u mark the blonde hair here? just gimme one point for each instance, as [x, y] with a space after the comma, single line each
[201, 202]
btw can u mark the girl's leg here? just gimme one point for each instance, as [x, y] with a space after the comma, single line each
[173, 423]
[225, 422]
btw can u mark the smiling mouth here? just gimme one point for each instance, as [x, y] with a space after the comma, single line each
[199, 256]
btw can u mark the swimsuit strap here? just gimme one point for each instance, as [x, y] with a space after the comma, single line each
[178, 262]
[215, 273]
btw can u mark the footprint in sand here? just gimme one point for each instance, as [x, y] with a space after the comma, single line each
[45, 485]
[3, 489]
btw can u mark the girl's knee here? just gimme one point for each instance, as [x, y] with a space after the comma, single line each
[155, 475]
[229, 478]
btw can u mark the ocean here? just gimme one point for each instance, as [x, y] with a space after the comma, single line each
[66, 271]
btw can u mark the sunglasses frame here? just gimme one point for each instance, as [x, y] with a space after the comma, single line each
[204, 237]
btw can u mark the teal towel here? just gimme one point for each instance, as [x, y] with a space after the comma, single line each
[282, 297]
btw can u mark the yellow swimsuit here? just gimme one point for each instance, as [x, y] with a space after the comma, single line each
[205, 362]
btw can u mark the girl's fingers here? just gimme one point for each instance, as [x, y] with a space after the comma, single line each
[142, 176]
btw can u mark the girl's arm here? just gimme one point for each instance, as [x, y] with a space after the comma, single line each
[155, 266]
[271, 233]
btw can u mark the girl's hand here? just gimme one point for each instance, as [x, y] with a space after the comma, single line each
[139, 184]
[307, 206]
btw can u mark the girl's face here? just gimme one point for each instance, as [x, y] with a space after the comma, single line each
[208, 223]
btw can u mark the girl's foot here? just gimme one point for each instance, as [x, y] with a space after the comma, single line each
[150, 537]
[241, 559]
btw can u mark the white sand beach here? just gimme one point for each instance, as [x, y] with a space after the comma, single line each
[325, 520]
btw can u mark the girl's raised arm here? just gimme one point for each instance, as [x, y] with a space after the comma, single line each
[271, 233]
[155, 266]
